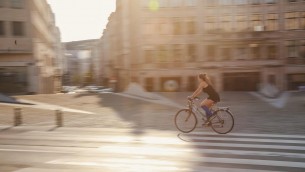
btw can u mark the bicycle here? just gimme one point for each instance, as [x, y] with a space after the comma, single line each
[222, 120]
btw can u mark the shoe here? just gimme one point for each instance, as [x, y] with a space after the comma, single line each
[207, 123]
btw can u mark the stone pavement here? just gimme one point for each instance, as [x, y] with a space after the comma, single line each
[252, 114]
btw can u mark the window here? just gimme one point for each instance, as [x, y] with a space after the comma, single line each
[191, 27]
[191, 52]
[162, 53]
[177, 27]
[271, 50]
[226, 23]
[272, 22]
[210, 25]
[291, 21]
[16, 3]
[255, 51]
[149, 54]
[162, 26]
[295, 48]
[302, 20]
[226, 54]
[2, 29]
[241, 53]
[177, 52]
[302, 49]
[18, 28]
[210, 49]
[292, 49]
[241, 23]
[256, 22]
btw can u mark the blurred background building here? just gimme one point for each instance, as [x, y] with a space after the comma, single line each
[31, 53]
[241, 44]
[79, 63]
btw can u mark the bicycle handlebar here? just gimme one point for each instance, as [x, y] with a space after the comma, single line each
[190, 99]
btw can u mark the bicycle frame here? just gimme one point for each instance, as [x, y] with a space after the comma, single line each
[194, 108]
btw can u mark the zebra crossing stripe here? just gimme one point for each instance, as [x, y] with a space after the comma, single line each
[250, 134]
[251, 162]
[130, 164]
[238, 145]
[171, 151]
[153, 169]
[247, 140]
[166, 152]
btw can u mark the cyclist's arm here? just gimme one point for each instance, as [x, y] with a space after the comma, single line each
[198, 91]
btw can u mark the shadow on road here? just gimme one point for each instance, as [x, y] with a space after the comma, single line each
[142, 114]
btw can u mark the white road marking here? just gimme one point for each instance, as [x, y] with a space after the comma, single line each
[34, 151]
[172, 151]
[248, 135]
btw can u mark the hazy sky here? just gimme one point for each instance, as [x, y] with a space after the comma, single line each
[81, 19]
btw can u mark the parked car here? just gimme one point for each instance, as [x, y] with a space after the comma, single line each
[105, 90]
[98, 89]
[68, 89]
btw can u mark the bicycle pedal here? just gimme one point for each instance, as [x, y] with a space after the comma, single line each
[207, 124]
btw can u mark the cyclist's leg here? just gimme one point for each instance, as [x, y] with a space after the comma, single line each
[206, 106]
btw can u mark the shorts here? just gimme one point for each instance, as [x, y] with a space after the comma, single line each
[215, 98]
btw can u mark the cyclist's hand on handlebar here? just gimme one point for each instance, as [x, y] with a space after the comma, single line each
[190, 98]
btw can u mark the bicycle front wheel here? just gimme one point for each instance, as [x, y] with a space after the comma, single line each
[185, 120]
[222, 122]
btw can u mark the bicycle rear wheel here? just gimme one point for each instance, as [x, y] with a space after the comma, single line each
[222, 122]
[185, 120]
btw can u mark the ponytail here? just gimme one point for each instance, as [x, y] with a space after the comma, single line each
[205, 77]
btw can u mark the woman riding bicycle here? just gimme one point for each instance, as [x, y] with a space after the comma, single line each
[205, 85]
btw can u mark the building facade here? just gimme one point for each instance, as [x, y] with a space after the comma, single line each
[29, 43]
[242, 44]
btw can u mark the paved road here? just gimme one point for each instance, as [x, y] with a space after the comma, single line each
[28, 149]
[252, 114]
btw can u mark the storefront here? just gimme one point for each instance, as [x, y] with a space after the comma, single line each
[295, 81]
[13, 80]
[243, 81]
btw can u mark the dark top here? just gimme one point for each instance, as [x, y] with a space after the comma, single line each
[213, 95]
